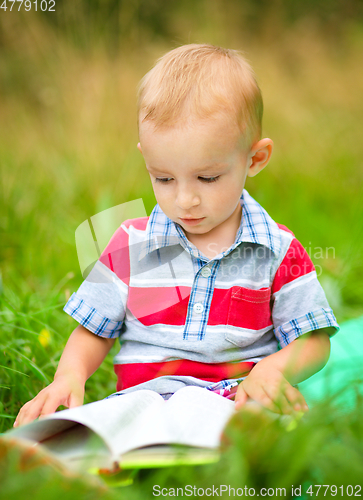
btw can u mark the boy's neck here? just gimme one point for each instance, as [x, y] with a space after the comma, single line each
[220, 238]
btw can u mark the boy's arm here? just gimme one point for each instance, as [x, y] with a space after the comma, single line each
[82, 355]
[271, 380]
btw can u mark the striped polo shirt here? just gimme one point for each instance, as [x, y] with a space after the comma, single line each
[185, 319]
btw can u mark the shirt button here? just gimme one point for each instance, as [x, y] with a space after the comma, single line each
[198, 308]
[206, 272]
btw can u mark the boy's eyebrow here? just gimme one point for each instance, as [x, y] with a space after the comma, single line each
[213, 168]
[217, 165]
[206, 170]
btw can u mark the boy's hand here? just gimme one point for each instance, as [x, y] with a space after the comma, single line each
[271, 389]
[63, 391]
[82, 355]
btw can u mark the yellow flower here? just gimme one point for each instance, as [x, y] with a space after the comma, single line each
[44, 337]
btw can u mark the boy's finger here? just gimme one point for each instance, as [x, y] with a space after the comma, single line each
[50, 406]
[29, 412]
[284, 404]
[292, 401]
[279, 401]
[257, 394]
[241, 397]
[75, 400]
[267, 401]
[286, 397]
[296, 399]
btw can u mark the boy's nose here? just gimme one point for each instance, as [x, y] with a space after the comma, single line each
[187, 199]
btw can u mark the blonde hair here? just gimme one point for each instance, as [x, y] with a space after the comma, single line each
[198, 81]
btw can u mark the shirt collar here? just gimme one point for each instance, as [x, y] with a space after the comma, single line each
[256, 227]
[160, 232]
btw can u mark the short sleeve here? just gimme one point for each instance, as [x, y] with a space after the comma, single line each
[299, 302]
[100, 302]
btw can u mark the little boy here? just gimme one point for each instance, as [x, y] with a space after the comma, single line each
[203, 290]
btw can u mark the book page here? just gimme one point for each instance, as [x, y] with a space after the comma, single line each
[108, 418]
[116, 419]
[193, 416]
[147, 428]
[197, 417]
[80, 448]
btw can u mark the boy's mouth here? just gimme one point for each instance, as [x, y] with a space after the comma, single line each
[191, 221]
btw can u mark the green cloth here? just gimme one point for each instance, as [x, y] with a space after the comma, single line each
[342, 377]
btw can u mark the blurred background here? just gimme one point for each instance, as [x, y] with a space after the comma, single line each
[68, 138]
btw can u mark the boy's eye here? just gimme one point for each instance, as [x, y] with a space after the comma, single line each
[163, 179]
[209, 179]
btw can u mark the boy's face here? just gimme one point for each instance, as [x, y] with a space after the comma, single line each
[198, 173]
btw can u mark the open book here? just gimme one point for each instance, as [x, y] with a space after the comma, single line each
[138, 429]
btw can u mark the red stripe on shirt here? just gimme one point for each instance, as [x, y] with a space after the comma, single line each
[159, 304]
[129, 375]
[237, 306]
[296, 263]
[116, 255]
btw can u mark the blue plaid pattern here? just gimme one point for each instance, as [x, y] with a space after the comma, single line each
[202, 292]
[91, 319]
[322, 318]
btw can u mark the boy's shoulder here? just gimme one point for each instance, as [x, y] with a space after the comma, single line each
[120, 239]
[285, 229]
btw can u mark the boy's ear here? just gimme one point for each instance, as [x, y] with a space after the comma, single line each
[259, 156]
[139, 147]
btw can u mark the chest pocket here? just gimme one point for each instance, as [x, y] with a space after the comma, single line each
[249, 315]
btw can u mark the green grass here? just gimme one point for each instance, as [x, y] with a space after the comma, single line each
[68, 150]
[28, 362]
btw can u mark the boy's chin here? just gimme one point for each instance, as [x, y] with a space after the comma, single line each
[195, 229]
